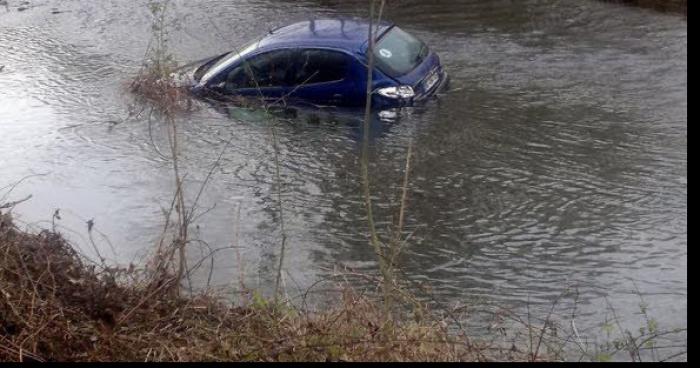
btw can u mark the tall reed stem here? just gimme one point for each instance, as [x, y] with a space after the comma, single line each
[384, 268]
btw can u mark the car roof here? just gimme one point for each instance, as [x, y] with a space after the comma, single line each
[341, 33]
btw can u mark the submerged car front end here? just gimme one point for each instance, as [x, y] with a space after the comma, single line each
[409, 91]
[409, 71]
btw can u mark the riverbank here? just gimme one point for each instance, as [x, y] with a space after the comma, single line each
[58, 306]
[664, 6]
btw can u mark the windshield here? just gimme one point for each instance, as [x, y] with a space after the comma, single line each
[397, 53]
[227, 60]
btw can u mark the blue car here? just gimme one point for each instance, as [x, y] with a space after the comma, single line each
[324, 62]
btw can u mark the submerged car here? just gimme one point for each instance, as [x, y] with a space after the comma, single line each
[324, 62]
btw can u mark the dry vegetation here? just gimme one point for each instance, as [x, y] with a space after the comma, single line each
[670, 6]
[55, 305]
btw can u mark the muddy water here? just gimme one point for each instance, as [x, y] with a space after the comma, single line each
[557, 159]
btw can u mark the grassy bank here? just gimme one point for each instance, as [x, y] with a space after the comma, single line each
[56, 305]
[666, 6]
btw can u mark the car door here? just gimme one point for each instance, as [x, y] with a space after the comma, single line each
[268, 75]
[323, 77]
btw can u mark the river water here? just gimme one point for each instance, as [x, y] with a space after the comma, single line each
[557, 159]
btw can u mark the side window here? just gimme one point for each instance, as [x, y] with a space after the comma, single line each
[238, 78]
[318, 66]
[271, 69]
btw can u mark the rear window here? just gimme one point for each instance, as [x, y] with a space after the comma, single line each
[199, 73]
[225, 60]
[397, 53]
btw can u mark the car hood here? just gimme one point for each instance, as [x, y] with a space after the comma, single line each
[416, 76]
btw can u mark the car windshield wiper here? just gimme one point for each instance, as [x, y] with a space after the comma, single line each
[419, 56]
